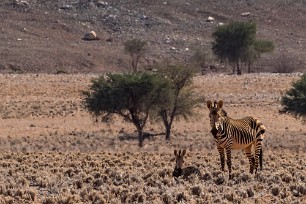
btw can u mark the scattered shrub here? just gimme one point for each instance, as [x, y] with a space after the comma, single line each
[196, 190]
[285, 64]
[275, 191]
[250, 192]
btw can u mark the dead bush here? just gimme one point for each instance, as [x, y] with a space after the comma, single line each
[285, 64]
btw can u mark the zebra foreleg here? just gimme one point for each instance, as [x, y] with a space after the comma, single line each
[249, 154]
[222, 157]
[229, 162]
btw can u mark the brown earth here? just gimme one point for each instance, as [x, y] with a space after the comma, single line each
[45, 36]
[52, 151]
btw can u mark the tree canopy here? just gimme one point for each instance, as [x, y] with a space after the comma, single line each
[136, 49]
[130, 95]
[180, 100]
[294, 101]
[236, 43]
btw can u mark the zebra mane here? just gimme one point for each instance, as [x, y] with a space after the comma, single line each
[223, 112]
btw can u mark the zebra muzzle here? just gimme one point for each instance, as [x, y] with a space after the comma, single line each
[214, 131]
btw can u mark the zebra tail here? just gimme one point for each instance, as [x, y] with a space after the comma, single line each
[260, 158]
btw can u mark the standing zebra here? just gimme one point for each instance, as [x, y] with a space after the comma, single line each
[236, 134]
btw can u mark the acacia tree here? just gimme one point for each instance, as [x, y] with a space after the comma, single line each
[254, 52]
[200, 59]
[136, 49]
[236, 42]
[179, 100]
[294, 101]
[130, 96]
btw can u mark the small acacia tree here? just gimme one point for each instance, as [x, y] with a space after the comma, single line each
[232, 40]
[136, 49]
[180, 99]
[236, 42]
[294, 101]
[131, 96]
[200, 60]
[255, 51]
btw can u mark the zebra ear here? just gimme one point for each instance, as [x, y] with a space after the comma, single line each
[175, 152]
[209, 104]
[184, 152]
[220, 104]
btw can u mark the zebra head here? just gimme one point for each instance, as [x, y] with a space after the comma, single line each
[215, 114]
[179, 160]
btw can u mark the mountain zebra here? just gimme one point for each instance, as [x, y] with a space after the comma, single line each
[179, 170]
[236, 134]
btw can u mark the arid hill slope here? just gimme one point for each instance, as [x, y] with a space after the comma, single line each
[44, 36]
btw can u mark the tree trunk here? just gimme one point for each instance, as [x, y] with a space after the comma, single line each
[249, 67]
[140, 137]
[168, 131]
[238, 69]
[234, 69]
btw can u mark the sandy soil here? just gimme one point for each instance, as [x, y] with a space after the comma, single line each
[53, 151]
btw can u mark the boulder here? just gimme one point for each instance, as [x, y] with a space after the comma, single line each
[210, 19]
[90, 36]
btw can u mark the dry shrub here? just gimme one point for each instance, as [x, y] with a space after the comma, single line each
[275, 191]
[245, 177]
[167, 199]
[301, 189]
[285, 64]
[298, 189]
[250, 192]
[32, 194]
[242, 193]
[9, 200]
[165, 172]
[181, 197]
[196, 190]
[138, 197]
[229, 197]
[287, 178]
[95, 197]
[207, 176]
[98, 183]
[219, 180]
[78, 184]
[49, 201]
[66, 200]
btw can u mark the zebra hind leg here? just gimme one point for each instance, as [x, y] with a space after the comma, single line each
[249, 154]
[258, 155]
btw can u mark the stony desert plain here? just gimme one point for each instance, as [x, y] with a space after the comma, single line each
[53, 151]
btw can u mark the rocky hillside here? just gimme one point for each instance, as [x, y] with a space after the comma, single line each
[45, 36]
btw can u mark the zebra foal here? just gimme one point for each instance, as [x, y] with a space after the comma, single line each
[179, 170]
[236, 134]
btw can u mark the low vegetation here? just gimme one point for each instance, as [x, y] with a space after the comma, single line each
[294, 100]
[145, 178]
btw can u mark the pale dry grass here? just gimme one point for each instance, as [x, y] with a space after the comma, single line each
[147, 177]
[53, 152]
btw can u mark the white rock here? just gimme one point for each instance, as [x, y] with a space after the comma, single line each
[245, 14]
[90, 36]
[210, 19]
